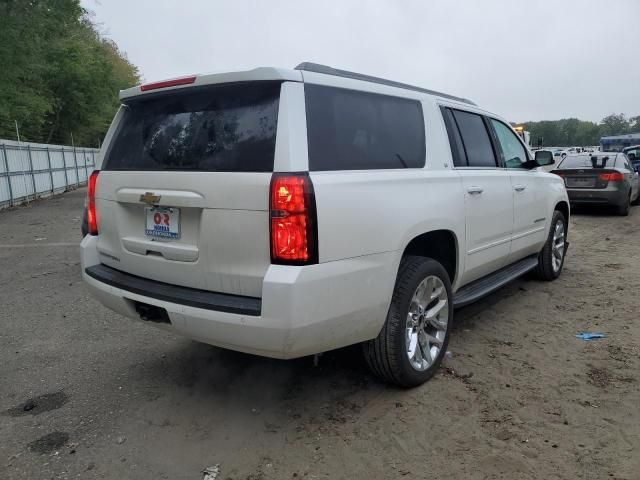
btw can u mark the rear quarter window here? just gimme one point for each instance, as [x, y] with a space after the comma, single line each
[352, 130]
[229, 127]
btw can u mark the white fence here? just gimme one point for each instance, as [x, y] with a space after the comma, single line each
[33, 170]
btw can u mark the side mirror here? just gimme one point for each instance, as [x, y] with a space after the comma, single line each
[544, 158]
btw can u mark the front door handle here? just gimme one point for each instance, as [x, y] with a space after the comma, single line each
[519, 188]
[475, 190]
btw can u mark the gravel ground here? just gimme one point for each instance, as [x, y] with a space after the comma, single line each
[85, 393]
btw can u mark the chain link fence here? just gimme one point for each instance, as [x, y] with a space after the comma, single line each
[33, 170]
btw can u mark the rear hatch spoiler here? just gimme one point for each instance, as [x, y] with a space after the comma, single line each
[257, 74]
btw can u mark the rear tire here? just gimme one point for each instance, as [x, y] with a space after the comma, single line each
[551, 258]
[415, 335]
[623, 210]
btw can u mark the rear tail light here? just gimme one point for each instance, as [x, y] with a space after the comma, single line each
[292, 211]
[92, 218]
[612, 177]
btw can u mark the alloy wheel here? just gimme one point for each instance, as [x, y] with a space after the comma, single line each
[427, 320]
[558, 246]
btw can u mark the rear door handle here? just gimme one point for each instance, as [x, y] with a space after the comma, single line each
[475, 190]
[519, 188]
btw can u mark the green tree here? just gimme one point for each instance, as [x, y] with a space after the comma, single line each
[59, 76]
[564, 133]
[588, 134]
[614, 124]
[573, 132]
[24, 96]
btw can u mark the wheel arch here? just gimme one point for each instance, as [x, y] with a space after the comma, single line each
[441, 245]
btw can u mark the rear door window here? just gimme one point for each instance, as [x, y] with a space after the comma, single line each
[475, 139]
[353, 130]
[220, 128]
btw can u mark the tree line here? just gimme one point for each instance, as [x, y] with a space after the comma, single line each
[59, 77]
[573, 132]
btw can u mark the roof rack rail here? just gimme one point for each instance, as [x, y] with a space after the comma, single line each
[318, 68]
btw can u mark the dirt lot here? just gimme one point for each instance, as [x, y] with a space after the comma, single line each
[85, 393]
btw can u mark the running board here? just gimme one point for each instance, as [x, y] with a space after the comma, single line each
[492, 282]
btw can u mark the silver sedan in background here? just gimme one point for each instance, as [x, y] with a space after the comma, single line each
[602, 178]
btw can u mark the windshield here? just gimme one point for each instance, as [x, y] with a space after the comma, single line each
[219, 128]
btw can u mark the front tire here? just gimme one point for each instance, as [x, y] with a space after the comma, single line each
[414, 338]
[551, 258]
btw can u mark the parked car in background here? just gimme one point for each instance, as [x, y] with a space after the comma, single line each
[559, 155]
[605, 178]
[285, 213]
[633, 154]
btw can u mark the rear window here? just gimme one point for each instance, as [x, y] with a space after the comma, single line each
[221, 128]
[585, 161]
[352, 130]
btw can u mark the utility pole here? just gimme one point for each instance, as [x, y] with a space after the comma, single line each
[24, 176]
[75, 161]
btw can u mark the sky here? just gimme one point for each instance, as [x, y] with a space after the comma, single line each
[525, 60]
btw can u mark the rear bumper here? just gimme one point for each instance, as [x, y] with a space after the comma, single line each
[597, 196]
[303, 310]
[175, 294]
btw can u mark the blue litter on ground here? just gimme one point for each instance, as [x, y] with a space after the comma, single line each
[589, 336]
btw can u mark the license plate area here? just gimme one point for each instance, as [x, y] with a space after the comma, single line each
[581, 182]
[162, 222]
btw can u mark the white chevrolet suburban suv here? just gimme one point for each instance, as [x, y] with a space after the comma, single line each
[285, 213]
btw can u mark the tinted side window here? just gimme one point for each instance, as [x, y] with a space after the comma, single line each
[457, 148]
[351, 130]
[514, 153]
[475, 138]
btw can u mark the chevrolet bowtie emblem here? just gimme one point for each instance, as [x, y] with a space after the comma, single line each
[150, 198]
